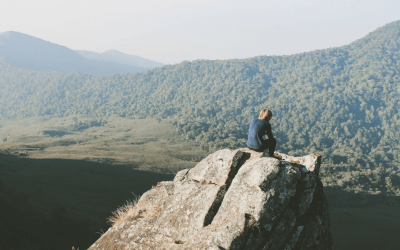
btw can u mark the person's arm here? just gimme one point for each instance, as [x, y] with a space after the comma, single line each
[269, 132]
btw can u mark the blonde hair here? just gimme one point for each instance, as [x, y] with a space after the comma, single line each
[265, 114]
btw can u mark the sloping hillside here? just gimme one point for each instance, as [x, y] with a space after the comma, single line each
[341, 102]
[121, 58]
[28, 52]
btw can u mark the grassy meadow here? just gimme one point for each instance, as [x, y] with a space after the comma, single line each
[85, 170]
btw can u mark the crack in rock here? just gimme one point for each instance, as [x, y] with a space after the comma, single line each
[232, 200]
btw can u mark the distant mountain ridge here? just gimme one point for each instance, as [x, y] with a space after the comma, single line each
[119, 57]
[28, 52]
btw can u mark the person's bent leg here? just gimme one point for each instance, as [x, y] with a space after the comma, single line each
[271, 143]
[269, 146]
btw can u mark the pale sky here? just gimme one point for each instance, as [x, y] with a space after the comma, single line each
[171, 31]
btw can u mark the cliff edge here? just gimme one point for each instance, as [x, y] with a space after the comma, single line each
[230, 200]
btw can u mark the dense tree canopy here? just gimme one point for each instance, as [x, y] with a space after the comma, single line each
[340, 102]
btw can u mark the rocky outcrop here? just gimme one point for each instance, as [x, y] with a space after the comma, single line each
[231, 200]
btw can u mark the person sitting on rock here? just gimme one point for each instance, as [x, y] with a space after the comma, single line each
[259, 127]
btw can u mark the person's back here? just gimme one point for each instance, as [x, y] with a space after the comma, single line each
[258, 128]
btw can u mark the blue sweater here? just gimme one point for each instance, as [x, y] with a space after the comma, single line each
[258, 128]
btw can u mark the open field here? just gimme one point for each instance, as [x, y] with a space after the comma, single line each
[89, 167]
[145, 144]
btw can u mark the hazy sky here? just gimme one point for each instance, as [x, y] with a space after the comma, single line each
[170, 31]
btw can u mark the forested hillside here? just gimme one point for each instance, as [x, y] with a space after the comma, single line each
[340, 102]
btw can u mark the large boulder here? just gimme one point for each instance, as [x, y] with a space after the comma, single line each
[231, 200]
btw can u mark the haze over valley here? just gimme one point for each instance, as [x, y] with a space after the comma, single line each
[80, 130]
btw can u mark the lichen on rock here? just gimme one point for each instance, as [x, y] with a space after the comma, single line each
[236, 199]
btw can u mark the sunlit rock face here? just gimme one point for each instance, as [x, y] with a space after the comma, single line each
[236, 199]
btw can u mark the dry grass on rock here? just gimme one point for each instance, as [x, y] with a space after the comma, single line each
[132, 210]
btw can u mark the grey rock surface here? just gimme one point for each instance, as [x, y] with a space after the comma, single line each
[231, 200]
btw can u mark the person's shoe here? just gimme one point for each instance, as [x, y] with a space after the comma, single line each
[277, 156]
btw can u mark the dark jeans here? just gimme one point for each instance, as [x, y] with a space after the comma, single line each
[267, 144]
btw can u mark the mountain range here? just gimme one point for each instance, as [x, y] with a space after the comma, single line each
[28, 52]
[341, 102]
